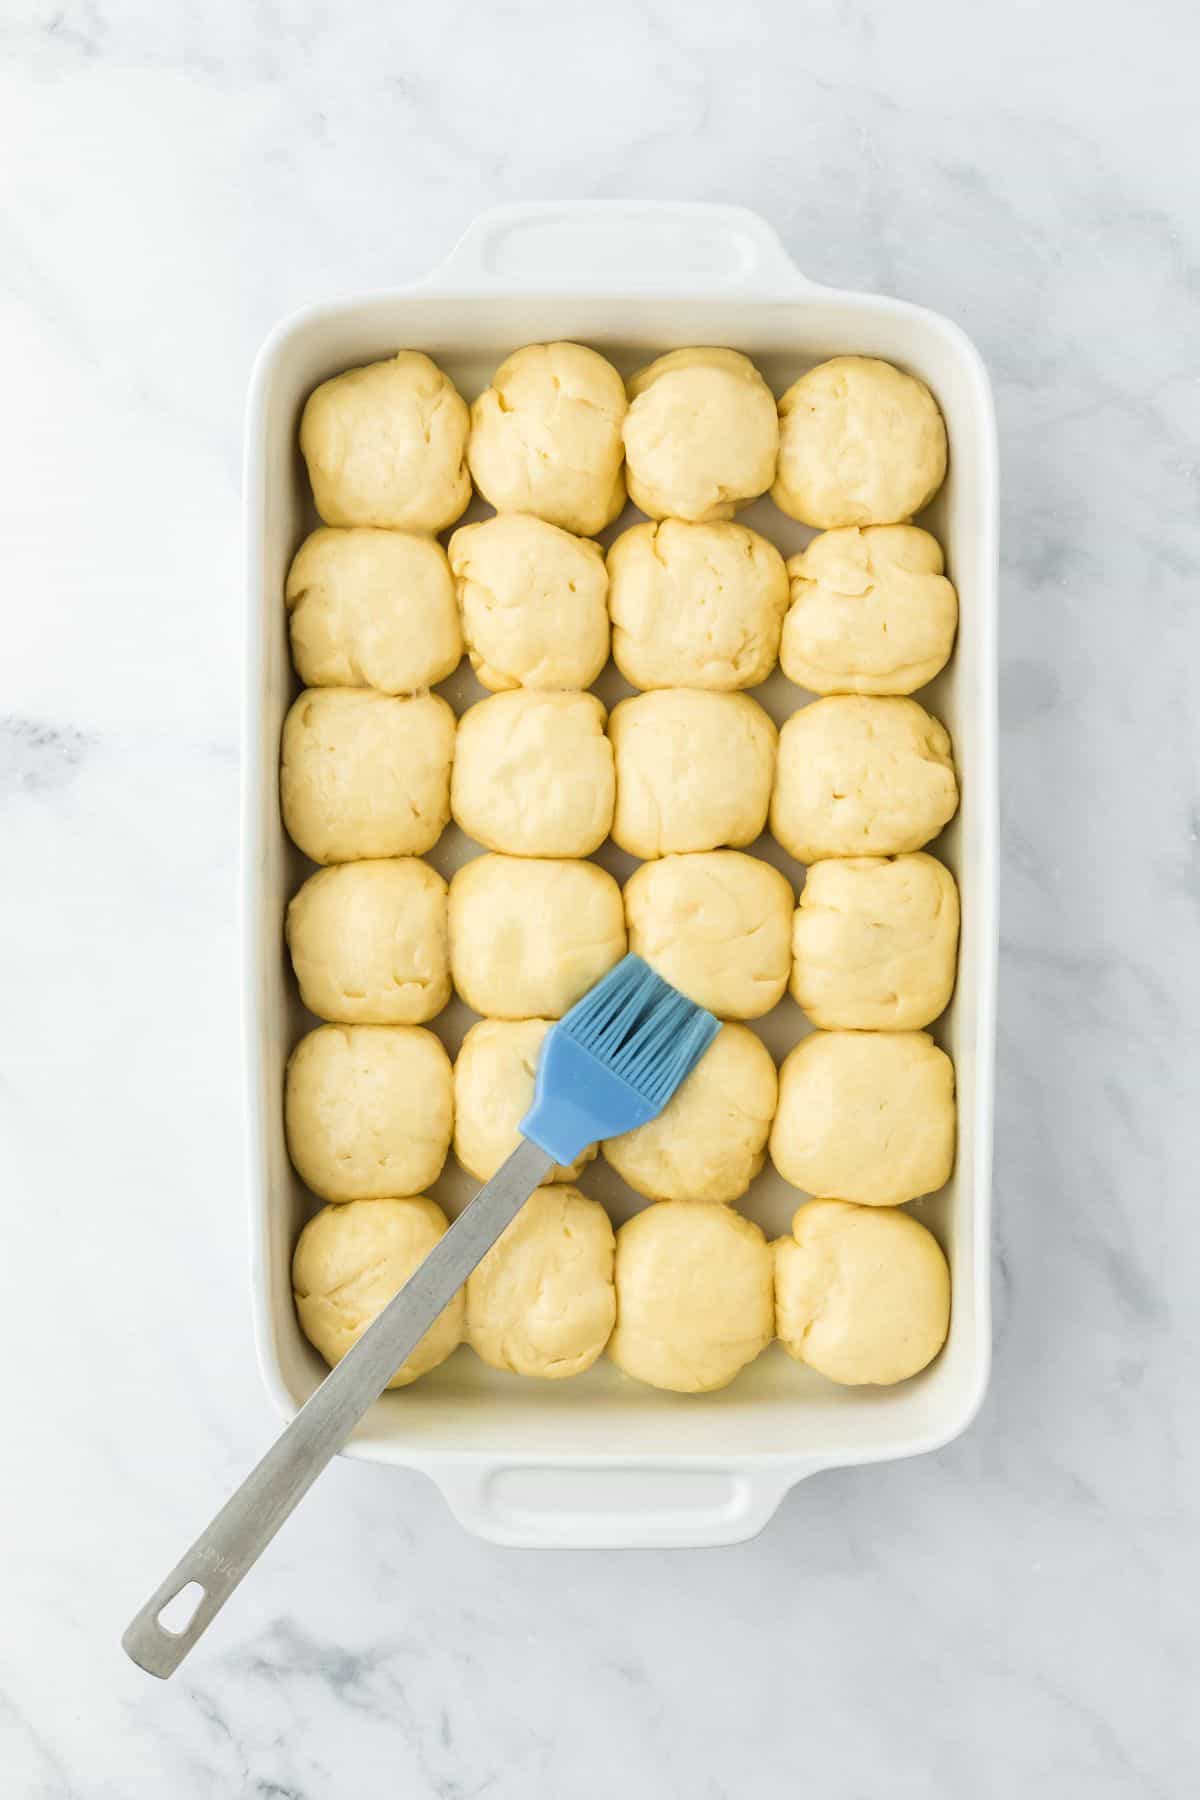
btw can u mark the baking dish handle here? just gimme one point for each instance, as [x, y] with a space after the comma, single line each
[601, 246]
[614, 1506]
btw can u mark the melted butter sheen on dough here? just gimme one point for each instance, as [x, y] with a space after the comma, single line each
[542, 1301]
[351, 1260]
[874, 943]
[694, 1299]
[862, 1293]
[710, 1141]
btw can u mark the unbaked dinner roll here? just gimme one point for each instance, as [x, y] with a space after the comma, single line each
[860, 443]
[542, 1301]
[862, 1293]
[494, 1076]
[362, 774]
[710, 1141]
[533, 601]
[372, 609]
[694, 1300]
[351, 1260]
[386, 445]
[529, 937]
[717, 925]
[701, 435]
[533, 773]
[874, 943]
[695, 605]
[694, 770]
[546, 437]
[369, 944]
[368, 1110]
[865, 1116]
[872, 612]
[859, 776]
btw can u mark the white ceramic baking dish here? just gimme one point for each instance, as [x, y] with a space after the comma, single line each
[602, 1461]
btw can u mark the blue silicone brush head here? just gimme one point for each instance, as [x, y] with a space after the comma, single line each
[615, 1059]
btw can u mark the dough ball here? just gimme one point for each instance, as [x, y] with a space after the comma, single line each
[368, 1110]
[694, 770]
[710, 1142]
[860, 443]
[862, 1293]
[546, 437]
[542, 1302]
[860, 776]
[369, 942]
[372, 609]
[695, 605]
[386, 445]
[351, 1260]
[533, 774]
[701, 435]
[718, 926]
[872, 612]
[534, 603]
[874, 943]
[493, 1090]
[865, 1116]
[362, 774]
[694, 1300]
[529, 937]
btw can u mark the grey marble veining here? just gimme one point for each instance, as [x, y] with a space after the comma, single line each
[1013, 1615]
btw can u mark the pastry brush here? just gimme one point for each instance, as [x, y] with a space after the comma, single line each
[609, 1065]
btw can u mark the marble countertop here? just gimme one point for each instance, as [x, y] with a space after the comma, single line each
[1014, 1615]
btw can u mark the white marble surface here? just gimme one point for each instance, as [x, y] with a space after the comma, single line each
[1016, 1615]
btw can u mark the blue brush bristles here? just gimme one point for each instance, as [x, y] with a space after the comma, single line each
[642, 1028]
[615, 1060]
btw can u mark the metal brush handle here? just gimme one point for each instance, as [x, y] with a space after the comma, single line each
[250, 1518]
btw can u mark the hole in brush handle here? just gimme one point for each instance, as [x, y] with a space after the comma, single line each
[181, 1609]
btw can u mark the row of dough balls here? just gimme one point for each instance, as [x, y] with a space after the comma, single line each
[371, 1111]
[871, 946]
[548, 774]
[696, 435]
[683, 1297]
[860, 611]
